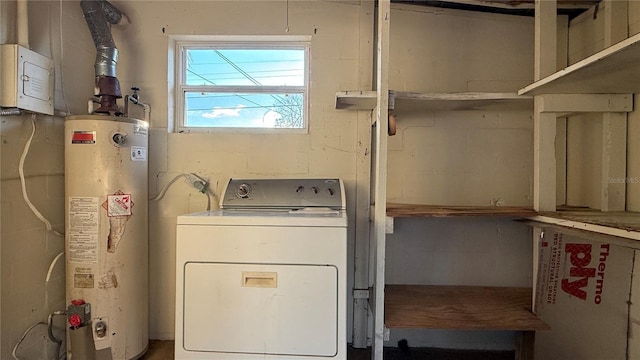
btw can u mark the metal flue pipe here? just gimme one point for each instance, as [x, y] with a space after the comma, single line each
[100, 15]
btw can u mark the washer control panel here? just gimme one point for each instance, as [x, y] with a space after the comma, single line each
[283, 194]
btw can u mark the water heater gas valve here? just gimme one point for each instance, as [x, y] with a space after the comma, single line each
[78, 313]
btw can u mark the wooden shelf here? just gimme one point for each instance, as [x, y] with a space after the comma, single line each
[402, 100]
[624, 224]
[356, 100]
[408, 101]
[460, 307]
[417, 210]
[613, 70]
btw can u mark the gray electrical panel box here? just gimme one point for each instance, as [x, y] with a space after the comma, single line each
[26, 79]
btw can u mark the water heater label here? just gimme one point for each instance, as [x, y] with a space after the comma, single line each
[119, 205]
[83, 137]
[83, 229]
[83, 281]
[140, 130]
[138, 153]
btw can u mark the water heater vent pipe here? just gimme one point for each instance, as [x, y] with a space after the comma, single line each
[100, 15]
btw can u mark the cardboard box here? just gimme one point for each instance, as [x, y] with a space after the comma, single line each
[584, 292]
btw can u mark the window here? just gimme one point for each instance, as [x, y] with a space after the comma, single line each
[243, 85]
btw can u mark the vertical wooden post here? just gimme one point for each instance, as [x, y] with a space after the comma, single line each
[613, 193]
[546, 38]
[525, 342]
[544, 159]
[380, 172]
[614, 125]
[363, 179]
[562, 59]
[544, 124]
[616, 21]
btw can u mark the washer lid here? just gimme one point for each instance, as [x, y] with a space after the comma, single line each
[243, 217]
[283, 194]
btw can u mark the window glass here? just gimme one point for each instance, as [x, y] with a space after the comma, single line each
[243, 85]
[244, 110]
[245, 67]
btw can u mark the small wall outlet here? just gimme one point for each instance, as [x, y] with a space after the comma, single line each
[26, 79]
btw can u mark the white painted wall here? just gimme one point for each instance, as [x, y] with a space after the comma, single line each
[460, 158]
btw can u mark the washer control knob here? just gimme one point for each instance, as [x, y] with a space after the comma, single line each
[330, 191]
[243, 191]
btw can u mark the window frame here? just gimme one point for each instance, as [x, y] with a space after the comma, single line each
[182, 44]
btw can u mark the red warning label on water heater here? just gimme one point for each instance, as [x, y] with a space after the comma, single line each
[83, 137]
[119, 205]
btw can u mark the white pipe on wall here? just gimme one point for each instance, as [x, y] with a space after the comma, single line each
[22, 22]
[7, 28]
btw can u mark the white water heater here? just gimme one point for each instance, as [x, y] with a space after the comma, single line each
[106, 216]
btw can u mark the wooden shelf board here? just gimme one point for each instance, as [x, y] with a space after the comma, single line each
[460, 307]
[625, 224]
[408, 101]
[613, 70]
[356, 100]
[419, 210]
[403, 100]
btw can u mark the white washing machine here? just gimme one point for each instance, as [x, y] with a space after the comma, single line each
[265, 276]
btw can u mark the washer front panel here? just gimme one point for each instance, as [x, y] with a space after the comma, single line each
[212, 263]
[261, 309]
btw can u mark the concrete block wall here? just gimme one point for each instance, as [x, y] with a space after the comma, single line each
[27, 247]
[328, 150]
[460, 157]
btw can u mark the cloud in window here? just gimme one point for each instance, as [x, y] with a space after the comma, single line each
[270, 117]
[218, 112]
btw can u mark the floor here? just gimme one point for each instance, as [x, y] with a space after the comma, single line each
[163, 350]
